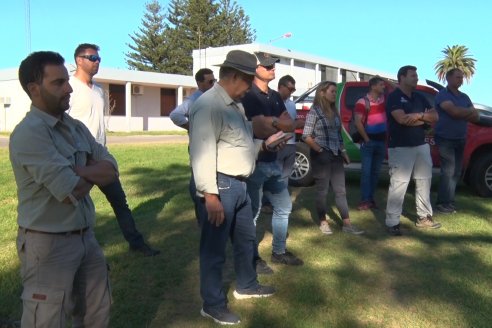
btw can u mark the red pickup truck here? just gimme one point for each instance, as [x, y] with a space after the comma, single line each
[477, 162]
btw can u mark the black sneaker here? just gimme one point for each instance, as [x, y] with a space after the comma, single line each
[145, 250]
[427, 222]
[394, 230]
[287, 258]
[258, 291]
[444, 209]
[221, 315]
[262, 267]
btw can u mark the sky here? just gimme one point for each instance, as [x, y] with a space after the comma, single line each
[382, 35]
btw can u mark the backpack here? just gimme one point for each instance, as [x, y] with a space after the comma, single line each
[354, 133]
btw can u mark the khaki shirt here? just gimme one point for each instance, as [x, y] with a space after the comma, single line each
[43, 152]
[221, 139]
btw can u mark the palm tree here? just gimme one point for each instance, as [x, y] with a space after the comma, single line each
[455, 57]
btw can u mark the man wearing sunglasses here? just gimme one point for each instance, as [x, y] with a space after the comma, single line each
[204, 80]
[266, 109]
[287, 155]
[88, 104]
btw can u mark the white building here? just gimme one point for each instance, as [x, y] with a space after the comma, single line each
[142, 101]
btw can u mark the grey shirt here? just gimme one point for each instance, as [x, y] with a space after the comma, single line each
[43, 152]
[221, 139]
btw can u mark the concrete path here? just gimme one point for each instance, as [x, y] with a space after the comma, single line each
[4, 141]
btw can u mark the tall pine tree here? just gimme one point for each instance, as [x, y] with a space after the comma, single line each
[187, 25]
[150, 49]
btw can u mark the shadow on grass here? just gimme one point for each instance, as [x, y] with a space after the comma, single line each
[426, 278]
[166, 219]
[439, 267]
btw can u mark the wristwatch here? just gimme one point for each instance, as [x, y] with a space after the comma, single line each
[274, 122]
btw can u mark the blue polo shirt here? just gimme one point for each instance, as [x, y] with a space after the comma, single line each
[257, 102]
[447, 127]
[403, 135]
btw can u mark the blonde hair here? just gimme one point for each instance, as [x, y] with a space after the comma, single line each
[322, 103]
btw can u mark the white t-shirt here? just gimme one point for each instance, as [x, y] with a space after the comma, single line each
[88, 105]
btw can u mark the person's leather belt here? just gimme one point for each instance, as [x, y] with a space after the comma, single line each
[73, 232]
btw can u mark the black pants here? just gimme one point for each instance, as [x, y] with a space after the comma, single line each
[328, 169]
[117, 199]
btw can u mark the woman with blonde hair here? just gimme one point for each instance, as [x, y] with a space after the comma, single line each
[323, 133]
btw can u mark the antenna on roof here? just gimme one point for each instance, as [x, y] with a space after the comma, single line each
[283, 36]
[27, 4]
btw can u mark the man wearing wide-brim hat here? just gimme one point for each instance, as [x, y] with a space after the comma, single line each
[223, 154]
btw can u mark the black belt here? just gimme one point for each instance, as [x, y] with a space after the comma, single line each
[73, 232]
[236, 177]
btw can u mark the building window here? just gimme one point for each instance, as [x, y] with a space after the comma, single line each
[299, 63]
[168, 101]
[365, 77]
[117, 100]
[329, 73]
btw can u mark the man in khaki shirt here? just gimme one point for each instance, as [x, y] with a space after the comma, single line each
[223, 154]
[56, 162]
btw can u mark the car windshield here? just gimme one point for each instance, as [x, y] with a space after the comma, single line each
[484, 109]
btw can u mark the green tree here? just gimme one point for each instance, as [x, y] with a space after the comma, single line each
[187, 25]
[455, 57]
[177, 61]
[231, 25]
[149, 52]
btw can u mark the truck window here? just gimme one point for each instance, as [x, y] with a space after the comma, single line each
[354, 93]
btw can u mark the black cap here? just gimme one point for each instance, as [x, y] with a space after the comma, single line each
[241, 60]
[265, 59]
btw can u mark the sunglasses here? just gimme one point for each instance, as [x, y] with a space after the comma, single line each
[92, 58]
[211, 82]
[268, 68]
[291, 89]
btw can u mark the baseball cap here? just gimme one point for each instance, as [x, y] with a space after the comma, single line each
[265, 59]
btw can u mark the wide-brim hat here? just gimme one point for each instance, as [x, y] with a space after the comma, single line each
[265, 59]
[241, 60]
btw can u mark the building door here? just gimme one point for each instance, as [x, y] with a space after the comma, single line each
[117, 102]
[168, 101]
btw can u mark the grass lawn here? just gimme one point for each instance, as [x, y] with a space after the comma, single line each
[426, 278]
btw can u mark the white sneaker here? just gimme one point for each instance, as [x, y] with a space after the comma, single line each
[325, 228]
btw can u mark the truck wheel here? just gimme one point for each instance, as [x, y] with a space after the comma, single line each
[301, 175]
[481, 175]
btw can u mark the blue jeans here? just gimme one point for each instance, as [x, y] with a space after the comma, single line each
[451, 156]
[238, 225]
[372, 156]
[267, 178]
[117, 199]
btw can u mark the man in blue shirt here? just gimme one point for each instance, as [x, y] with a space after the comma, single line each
[455, 110]
[408, 154]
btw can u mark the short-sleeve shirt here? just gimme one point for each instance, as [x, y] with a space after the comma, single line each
[376, 118]
[448, 127]
[89, 105]
[403, 135]
[257, 102]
